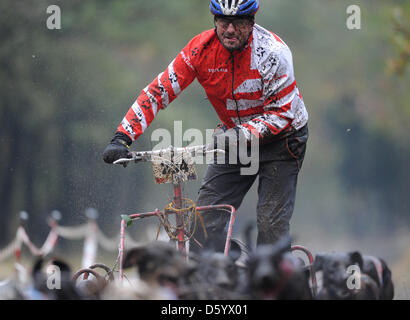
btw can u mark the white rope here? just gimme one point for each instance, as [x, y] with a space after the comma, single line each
[73, 233]
[50, 242]
[8, 250]
[22, 236]
[129, 242]
[86, 231]
[90, 244]
[107, 243]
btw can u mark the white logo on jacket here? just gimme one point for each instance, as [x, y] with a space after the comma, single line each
[218, 70]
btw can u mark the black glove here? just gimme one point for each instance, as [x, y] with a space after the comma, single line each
[118, 148]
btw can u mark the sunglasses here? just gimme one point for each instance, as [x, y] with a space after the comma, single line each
[236, 22]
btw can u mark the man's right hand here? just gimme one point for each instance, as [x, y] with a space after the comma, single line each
[118, 148]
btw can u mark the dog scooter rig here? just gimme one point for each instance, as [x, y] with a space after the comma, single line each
[176, 166]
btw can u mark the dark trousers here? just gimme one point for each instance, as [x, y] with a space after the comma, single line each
[280, 163]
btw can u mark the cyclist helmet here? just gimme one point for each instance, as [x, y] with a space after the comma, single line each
[234, 7]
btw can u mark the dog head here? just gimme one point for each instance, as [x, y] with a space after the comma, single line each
[159, 263]
[219, 270]
[334, 267]
[52, 280]
[274, 273]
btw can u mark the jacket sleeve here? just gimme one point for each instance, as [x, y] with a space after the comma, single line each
[281, 98]
[158, 94]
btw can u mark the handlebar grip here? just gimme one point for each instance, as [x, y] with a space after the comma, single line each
[125, 161]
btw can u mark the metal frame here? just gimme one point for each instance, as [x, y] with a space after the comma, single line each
[145, 156]
[179, 220]
[311, 267]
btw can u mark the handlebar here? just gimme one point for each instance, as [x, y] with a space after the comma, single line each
[144, 156]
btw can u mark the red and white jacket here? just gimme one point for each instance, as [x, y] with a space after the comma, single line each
[253, 89]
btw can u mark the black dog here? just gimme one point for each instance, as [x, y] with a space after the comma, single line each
[41, 289]
[217, 276]
[377, 269]
[159, 264]
[275, 274]
[373, 283]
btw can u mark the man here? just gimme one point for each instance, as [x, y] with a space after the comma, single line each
[247, 74]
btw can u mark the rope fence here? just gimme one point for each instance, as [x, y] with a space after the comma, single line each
[92, 236]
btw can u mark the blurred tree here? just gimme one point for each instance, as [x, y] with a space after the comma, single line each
[63, 94]
[400, 39]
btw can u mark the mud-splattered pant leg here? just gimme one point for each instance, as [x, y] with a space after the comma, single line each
[222, 184]
[276, 201]
[278, 172]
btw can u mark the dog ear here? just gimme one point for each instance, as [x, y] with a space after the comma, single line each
[318, 262]
[388, 286]
[63, 266]
[133, 257]
[234, 251]
[356, 258]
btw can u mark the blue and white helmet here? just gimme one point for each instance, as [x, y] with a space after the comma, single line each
[234, 7]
